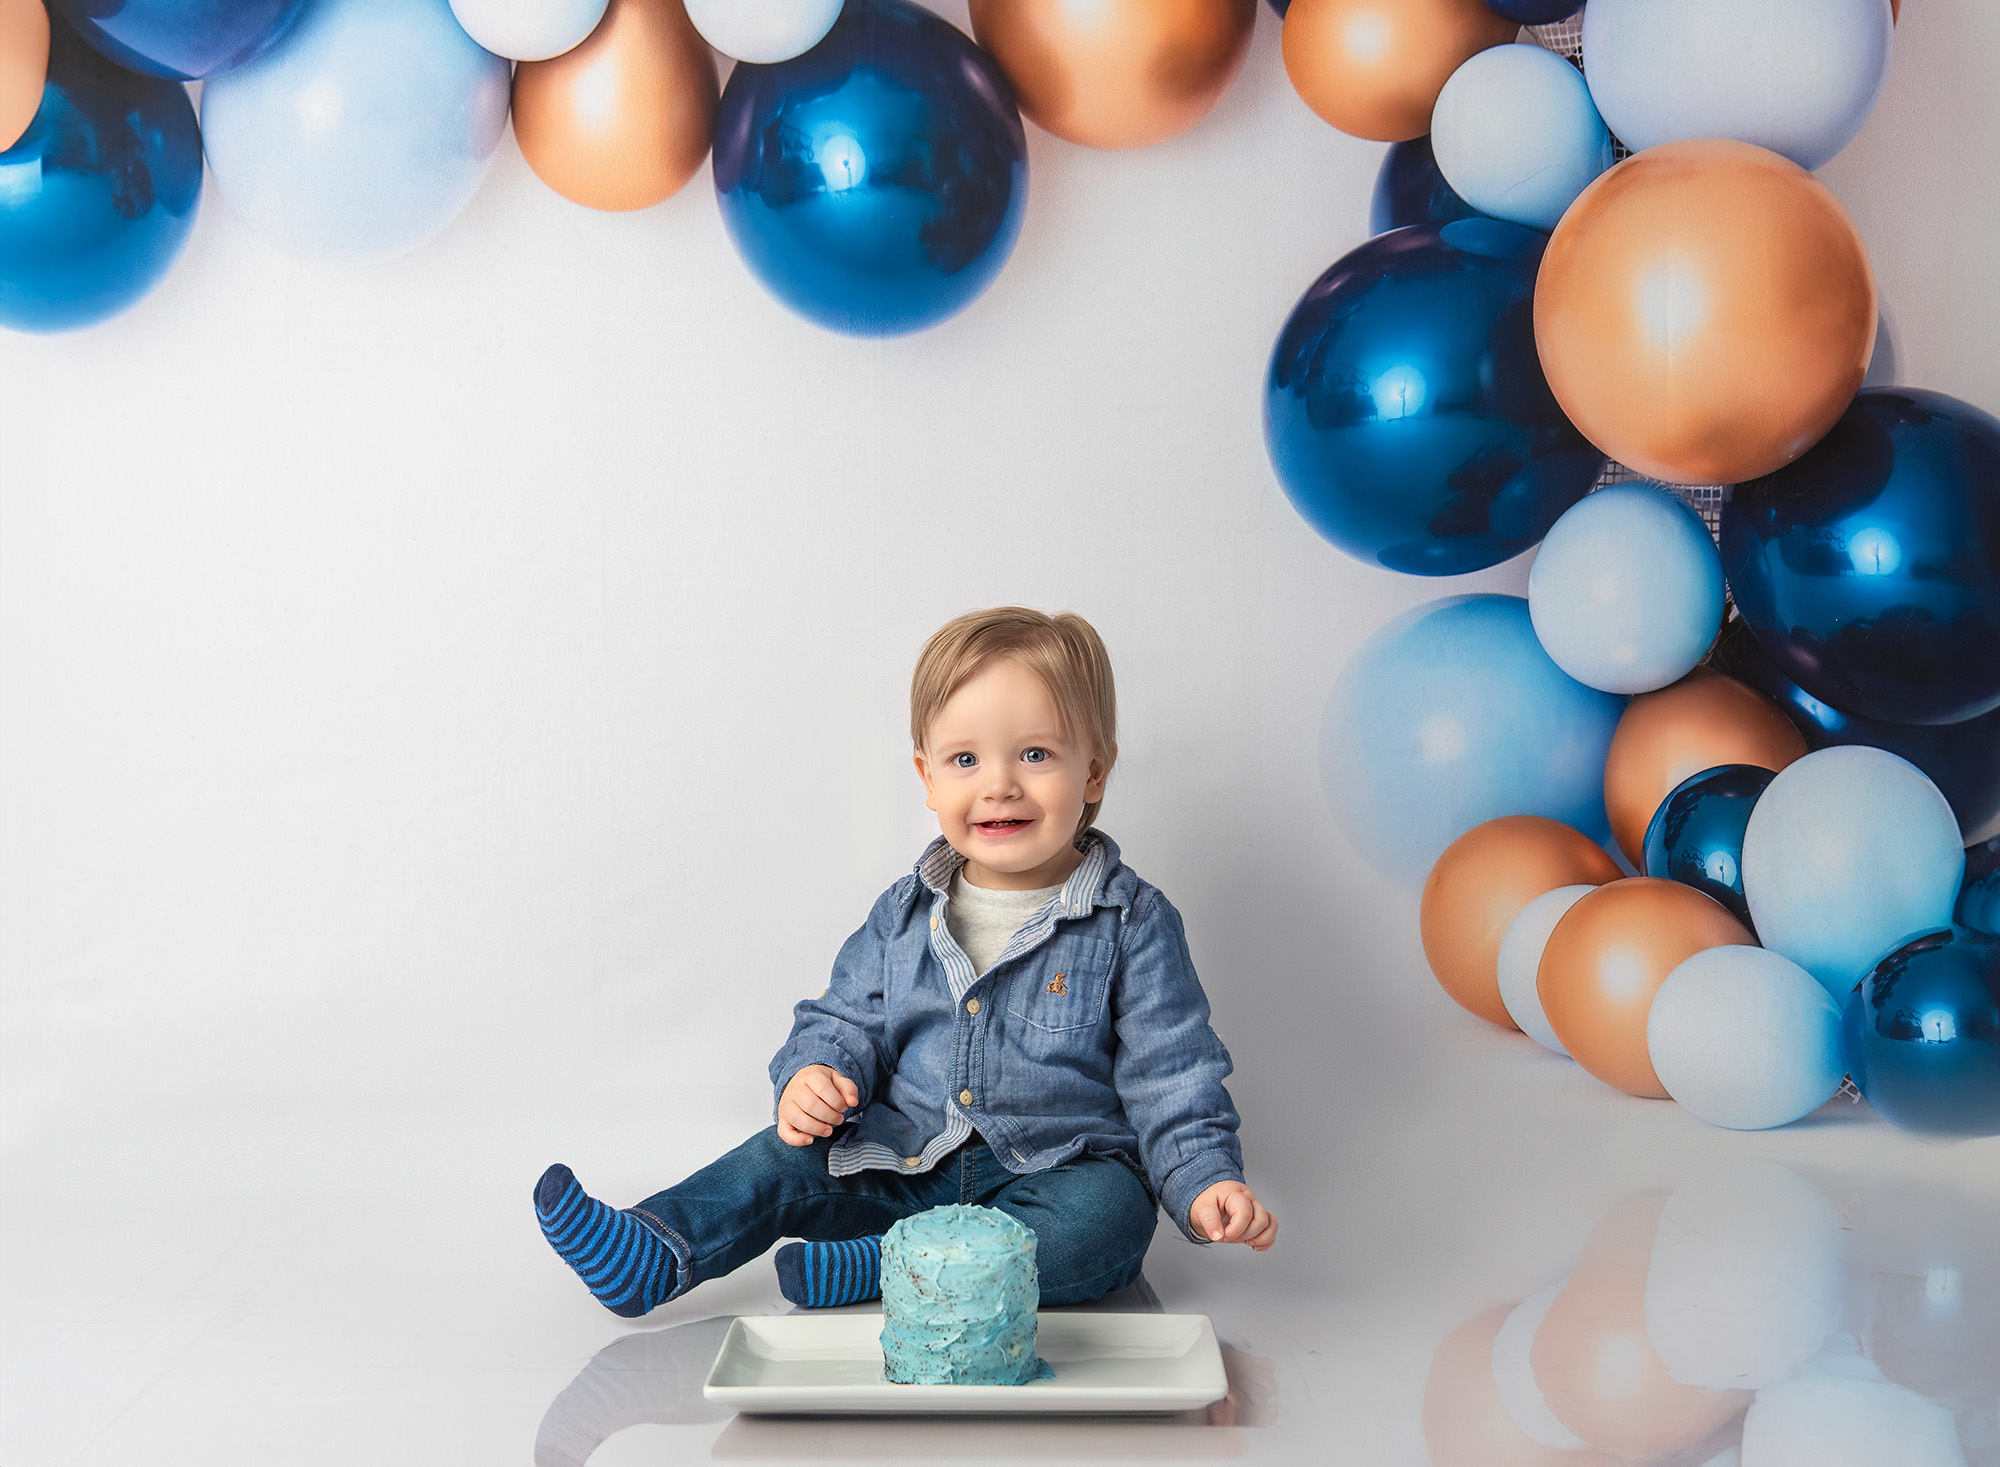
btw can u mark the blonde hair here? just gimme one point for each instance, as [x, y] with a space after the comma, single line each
[1064, 651]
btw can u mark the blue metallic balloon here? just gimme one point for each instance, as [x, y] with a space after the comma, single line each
[1962, 759]
[1979, 893]
[1409, 189]
[1696, 837]
[874, 184]
[1921, 1034]
[1405, 409]
[1281, 6]
[98, 196]
[179, 39]
[1535, 12]
[1869, 568]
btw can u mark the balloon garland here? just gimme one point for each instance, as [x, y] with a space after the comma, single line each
[1603, 287]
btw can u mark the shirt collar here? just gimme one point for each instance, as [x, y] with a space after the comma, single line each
[1083, 891]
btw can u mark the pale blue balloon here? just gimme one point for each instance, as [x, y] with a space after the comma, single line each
[1516, 134]
[1850, 853]
[1626, 590]
[1745, 1038]
[1450, 716]
[362, 132]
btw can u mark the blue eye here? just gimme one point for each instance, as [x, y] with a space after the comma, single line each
[965, 761]
[1035, 756]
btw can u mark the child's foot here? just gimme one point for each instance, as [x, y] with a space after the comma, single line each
[820, 1275]
[623, 1261]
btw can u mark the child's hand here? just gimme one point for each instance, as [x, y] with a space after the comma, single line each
[815, 1100]
[1229, 1212]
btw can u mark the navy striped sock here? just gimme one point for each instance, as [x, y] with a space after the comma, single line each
[623, 1261]
[819, 1275]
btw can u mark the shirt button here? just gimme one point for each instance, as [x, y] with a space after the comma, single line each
[972, 1005]
[913, 1161]
[933, 924]
[965, 1097]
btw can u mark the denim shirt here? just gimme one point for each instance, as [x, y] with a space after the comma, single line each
[1089, 1033]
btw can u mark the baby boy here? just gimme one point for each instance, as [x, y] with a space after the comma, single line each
[1017, 1024]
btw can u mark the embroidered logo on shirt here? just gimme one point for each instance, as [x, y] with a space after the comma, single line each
[1056, 985]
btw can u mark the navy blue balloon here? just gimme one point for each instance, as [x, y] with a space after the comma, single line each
[1405, 409]
[99, 194]
[1869, 568]
[874, 184]
[179, 39]
[1409, 189]
[1281, 6]
[1979, 893]
[1535, 12]
[1696, 836]
[1962, 759]
[1921, 1034]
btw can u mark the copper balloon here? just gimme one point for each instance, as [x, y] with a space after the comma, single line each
[1607, 958]
[24, 66]
[1478, 887]
[1705, 310]
[1662, 738]
[1593, 1361]
[625, 119]
[1374, 68]
[1116, 73]
[1464, 1419]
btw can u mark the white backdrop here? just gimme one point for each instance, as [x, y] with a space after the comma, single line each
[477, 682]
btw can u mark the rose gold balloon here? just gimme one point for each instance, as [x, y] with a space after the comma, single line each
[625, 119]
[1607, 958]
[24, 66]
[1596, 1366]
[1705, 310]
[1116, 73]
[1478, 887]
[1662, 738]
[1374, 68]
[1465, 1422]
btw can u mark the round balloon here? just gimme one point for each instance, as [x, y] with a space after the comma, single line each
[529, 30]
[362, 132]
[1405, 410]
[1479, 886]
[1626, 591]
[1520, 961]
[1410, 190]
[1535, 12]
[624, 120]
[1870, 568]
[179, 39]
[1796, 76]
[1850, 852]
[1923, 1035]
[1979, 893]
[1962, 759]
[1838, 1409]
[1696, 836]
[24, 66]
[875, 184]
[1705, 312]
[1451, 716]
[1745, 1038]
[766, 31]
[1374, 68]
[1702, 721]
[1466, 1420]
[1516, 135]
[98, 196]
[1117, 73]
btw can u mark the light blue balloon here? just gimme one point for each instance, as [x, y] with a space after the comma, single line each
[1626, 591]
[1849, 854]
[1517, 136]
[362, 132]
[1450, 716]
[1745, 1038]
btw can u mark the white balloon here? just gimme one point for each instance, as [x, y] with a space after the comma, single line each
[763, 31]
[1747, 1276]
[529, 30]
[1745, 1038]
[1514, 1376]
[1521, 960]
[1839, 1411]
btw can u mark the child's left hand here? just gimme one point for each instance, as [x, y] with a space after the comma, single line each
[1229, 1212]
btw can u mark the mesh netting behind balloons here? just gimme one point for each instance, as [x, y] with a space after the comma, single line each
[1565, 38]
[1705, 500]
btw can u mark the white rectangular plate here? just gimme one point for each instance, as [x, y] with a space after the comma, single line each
[804, 1363]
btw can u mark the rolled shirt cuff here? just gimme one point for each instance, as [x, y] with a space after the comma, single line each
[1189, 1180]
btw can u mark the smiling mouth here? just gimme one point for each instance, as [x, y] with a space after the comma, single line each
[999, 827]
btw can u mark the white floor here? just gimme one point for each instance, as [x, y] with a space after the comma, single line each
[362, 1281]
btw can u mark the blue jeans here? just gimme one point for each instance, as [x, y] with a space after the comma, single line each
[1092, 1216]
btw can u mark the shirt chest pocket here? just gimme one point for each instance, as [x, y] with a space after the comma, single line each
[1063, 985]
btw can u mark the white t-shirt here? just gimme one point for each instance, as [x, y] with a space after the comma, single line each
[981, 920]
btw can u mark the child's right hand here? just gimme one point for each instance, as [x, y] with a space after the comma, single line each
[815, 1100]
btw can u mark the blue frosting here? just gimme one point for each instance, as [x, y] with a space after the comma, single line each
[959, 1295]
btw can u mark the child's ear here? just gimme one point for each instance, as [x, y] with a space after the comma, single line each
[1100, 771]
[924, 773]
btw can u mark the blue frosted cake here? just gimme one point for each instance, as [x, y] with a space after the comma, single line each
[958, 1299]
